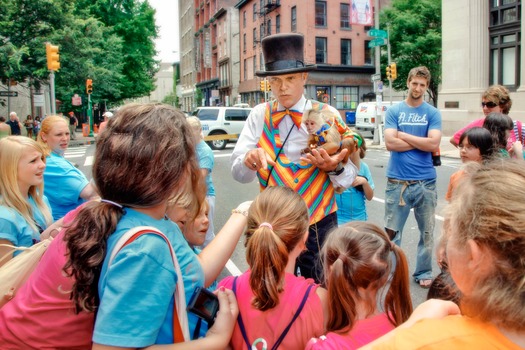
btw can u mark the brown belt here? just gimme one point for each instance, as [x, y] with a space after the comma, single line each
[405, 184]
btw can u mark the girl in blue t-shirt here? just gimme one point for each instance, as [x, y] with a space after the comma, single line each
[351, 203]
[142, 160]
[24, 210]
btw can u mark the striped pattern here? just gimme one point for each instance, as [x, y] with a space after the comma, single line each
[312, 184]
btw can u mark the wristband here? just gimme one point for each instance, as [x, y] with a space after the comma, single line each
[238, 211]
[337, 171]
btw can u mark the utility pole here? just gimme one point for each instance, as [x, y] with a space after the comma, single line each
[379, 97]
[53, 65]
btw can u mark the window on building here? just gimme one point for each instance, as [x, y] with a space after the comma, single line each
[244, 42]
[294, 19]
[261, 5]
[277, 24]
[254, 12]
[245, 72]
[254, 64]
[244, 19]
[262, 31]
[346, 52]
[505, 42]
[320, 13]
[345, 16]
[261, 61]
[269, 26]
[254, 36]
[369, 54]
[320, 50]
[347, 97]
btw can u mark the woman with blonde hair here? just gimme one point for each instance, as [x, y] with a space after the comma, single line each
[24, 210]
[66, 186]
[276, 308]
[485, 241]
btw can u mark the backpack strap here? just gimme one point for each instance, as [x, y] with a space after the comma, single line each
[239, 318]
[286, 330]
[180, 334]
[301, 306]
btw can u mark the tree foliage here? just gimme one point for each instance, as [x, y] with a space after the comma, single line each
[109, 41]
[415, 39]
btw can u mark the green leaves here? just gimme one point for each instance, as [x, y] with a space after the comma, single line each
[415, 39]
[109, 41]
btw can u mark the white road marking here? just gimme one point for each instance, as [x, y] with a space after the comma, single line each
[234, 270]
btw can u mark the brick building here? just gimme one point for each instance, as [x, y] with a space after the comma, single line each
[340, 50]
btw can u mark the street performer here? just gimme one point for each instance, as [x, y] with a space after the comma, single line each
[271, 142]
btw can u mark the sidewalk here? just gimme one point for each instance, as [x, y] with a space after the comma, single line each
[446, 148]
[82, 140]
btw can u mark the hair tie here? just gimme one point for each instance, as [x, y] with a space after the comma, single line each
[112, 203]
[266, 224]
[343, 258]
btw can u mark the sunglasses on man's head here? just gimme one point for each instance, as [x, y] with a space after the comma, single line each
[488, 104]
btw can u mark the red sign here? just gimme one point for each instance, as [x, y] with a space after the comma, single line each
[76, 100]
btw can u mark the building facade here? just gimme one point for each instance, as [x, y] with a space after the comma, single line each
[206, 49]
[481, 47]
[187, 60]
[338, 48]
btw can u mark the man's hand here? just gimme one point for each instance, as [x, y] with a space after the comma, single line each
[257, 158]
[321, 159]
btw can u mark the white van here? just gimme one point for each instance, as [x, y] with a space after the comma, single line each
[365, 118]
[222, 121]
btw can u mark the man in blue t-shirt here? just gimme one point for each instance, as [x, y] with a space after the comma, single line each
[412, 132]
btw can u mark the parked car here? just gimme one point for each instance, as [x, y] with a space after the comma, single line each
[365, 117]
[222, 121]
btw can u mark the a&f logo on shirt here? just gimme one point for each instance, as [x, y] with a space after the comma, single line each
[412, 119]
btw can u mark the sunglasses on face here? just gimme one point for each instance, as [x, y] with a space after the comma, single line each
[488, 104]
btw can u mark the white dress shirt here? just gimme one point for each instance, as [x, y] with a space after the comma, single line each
[297, 141]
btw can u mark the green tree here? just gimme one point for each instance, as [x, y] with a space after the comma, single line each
[134, 22]
[415, 39]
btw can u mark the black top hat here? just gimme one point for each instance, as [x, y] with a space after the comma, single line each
[283, 54]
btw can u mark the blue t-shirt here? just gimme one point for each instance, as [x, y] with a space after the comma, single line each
[413, 164]
[63, 184]
[351, 203]
[15, 229]
[136, 292]
[206, 161]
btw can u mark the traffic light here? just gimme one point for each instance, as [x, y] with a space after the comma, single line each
[89, 86]
[393, 70]
[262, 84]
[388, 72]
[52, 57]
[268, 86]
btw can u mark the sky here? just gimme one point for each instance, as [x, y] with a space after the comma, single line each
[167, 19]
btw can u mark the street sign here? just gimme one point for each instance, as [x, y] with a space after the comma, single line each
[375, 77]
[76, 100]
[376, 42]
[378, 33]
[9, 93]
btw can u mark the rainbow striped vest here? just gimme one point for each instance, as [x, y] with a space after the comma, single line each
[312, 184]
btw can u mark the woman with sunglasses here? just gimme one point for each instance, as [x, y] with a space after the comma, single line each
[24, 210]
[495, 99]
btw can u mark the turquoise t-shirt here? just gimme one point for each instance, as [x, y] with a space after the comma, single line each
[206, 161]
[62, 185]
[136, 291]
[414, 164]
[15, 229]
[351, 204]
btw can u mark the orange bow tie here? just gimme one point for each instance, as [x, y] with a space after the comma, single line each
[295, 115]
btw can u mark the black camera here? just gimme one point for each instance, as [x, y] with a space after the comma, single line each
[204, 304]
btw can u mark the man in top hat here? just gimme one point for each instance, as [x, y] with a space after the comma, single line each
[270, 145]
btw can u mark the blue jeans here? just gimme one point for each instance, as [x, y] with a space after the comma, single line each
[422, 197]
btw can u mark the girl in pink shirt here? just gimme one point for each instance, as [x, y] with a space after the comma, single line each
[358, 260]
[276, 308]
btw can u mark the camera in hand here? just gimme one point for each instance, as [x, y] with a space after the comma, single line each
[204, 304]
